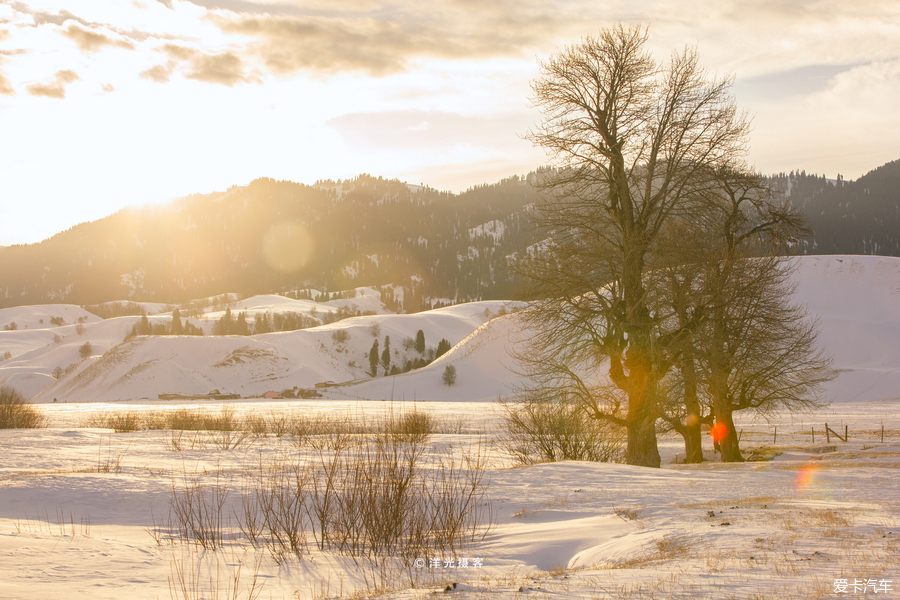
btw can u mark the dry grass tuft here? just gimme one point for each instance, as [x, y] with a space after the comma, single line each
[16, 413]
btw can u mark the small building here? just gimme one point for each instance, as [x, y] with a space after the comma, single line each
[273, 395]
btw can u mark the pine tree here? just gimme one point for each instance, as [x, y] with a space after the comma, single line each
[373, 359]
[145, 328]
[420, 342]
[240, 325]
[386, 355]
[177, 328]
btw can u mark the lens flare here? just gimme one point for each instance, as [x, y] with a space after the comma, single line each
[806, 477]
[287, 247]
[718, 432]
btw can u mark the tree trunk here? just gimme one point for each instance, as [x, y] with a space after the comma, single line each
[693, 446]
[641, 382]
[723, 431]
[728, 444]
[642, 450]
[690, 431]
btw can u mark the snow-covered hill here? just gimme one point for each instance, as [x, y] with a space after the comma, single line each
[43, 316]
[147, 366]
[855, 298]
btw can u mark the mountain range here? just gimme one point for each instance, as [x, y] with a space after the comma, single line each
[439, 247]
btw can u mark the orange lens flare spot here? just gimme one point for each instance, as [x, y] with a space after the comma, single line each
[806, 476]
[718, 432]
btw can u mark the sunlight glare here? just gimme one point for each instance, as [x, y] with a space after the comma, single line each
[288, 246]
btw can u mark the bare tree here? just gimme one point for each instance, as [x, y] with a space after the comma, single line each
[746, 345]
[633, 144]
[760, 348]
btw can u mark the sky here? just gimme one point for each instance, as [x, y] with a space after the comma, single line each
[110, 103]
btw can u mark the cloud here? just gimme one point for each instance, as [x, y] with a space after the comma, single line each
[55, 88]
[6, 87]
[43, 18]
[793, 82]
[179, 52]
[379, 38]
[108, 87]
[91, 41]
[224, 69]
[159, 74]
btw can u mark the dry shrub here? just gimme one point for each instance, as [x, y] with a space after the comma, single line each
[120, 422]
[16, 413]
[274, 507]
[377, 498]
[382, 498]
[541, 429]
[199, 510]
[187, 580]
[413, 426]
[183, 419]
[176, 440]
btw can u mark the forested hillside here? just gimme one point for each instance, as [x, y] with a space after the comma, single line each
[281, 236]
[849, 217]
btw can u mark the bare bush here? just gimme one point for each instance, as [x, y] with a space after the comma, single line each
[16, 413]
[413, 426]
[274, 508]
[229, 440]
[379, 497]
[544, 429]
[198, 510]
[184, 419]
[383, 499]
[109, 462]
[178, 441]
[187, 583]
[120, 422]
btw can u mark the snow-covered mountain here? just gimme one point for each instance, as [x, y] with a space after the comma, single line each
[855, 298]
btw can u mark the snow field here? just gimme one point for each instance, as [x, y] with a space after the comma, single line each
[76, 504]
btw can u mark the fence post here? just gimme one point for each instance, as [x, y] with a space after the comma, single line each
[827, 434]
[813, 429]
[846, 435]
[775, 435]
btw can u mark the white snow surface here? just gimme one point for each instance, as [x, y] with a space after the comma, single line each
[77, 502]
[77, 506]
[38, 316]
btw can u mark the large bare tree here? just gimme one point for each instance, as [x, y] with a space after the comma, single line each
[727, 283]
[632, 143]
[759, 347]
